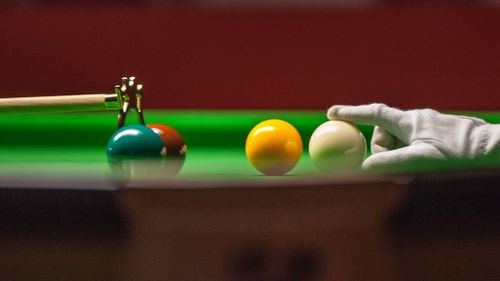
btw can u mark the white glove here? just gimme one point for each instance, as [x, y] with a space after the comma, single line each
[420, 136]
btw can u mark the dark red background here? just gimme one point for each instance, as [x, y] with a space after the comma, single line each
[446, 57]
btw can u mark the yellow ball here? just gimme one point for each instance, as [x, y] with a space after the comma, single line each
[274, 147]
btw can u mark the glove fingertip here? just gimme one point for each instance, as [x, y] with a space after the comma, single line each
[333, 111]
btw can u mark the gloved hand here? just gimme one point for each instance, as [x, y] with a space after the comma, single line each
[420, 136]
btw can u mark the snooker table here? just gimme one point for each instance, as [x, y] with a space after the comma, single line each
[64, 216]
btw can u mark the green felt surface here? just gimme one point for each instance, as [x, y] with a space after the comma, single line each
[200, 163]
[75, 143]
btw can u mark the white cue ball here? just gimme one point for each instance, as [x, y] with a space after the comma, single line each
[337, 146]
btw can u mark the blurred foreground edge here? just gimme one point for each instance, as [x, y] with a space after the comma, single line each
[428, 226]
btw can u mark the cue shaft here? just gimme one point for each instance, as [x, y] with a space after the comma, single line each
[53, 104]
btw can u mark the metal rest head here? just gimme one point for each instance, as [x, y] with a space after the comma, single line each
[130, 96]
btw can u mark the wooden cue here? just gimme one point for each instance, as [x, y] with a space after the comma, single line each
[53, 104]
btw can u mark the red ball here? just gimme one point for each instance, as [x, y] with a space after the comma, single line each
[172, 140]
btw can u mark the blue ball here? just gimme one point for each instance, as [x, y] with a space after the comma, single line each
[135, 141]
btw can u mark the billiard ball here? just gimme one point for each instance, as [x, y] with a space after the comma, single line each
[136, 152]
[175, 148]
[337, 146]
[135, 140]
[274, 147]
[172, 140]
